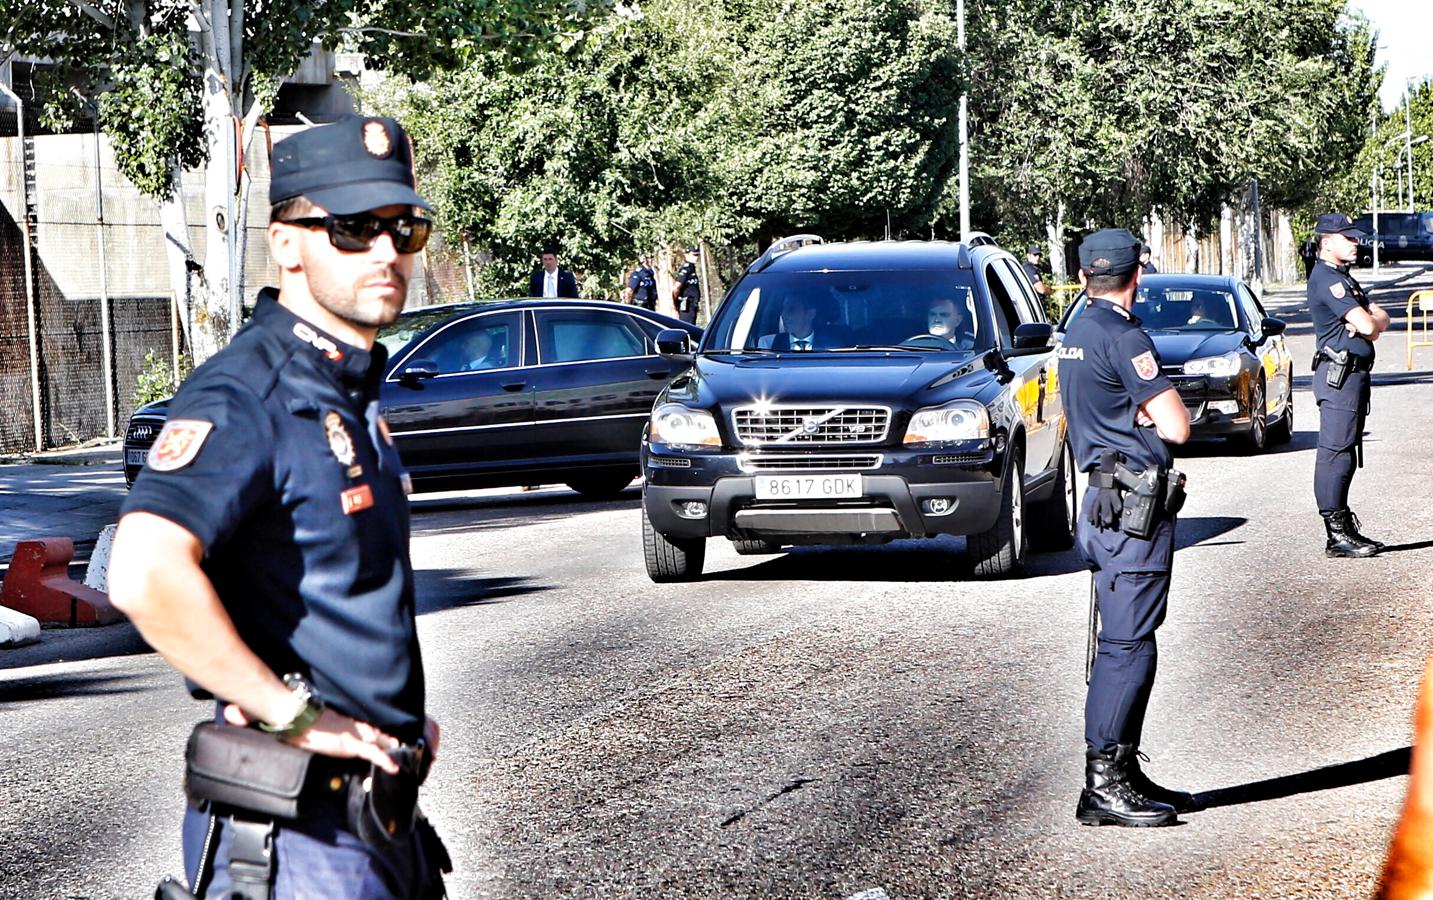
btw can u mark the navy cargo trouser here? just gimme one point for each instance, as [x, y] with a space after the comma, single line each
[1342, 414]
[1132, 588]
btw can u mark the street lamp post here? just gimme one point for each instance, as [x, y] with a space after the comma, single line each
[1411, 144]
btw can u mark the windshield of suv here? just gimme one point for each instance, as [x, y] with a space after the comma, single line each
[1177, 309]
[916, 310]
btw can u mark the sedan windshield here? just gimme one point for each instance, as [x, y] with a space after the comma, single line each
[908, 310]
[1184, 309]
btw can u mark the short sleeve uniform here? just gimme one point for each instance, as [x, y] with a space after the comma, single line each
[1333, 294]
[690, 281]
[1108, 367]
[275, 457]
[1031, 272]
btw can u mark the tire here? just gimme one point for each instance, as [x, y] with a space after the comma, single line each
[755, 547]
[671, 559]
[1052, 523]
[603, 485]
[1282, 431]
[1000, 552]
[1256, 439]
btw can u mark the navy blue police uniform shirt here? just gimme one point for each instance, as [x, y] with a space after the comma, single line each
[1108, 367]
[1332, 293]
[1031, 272]
[275, 458]
[690, 281]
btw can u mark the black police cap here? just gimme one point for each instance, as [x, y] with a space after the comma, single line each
[1111, 251]
[350, 166]
[1337, 223]
[1033, 248]
[1143, 249]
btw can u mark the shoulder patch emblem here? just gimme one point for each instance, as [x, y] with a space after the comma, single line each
[178, 444]
[1145, 366]
[1337, 289]
[338, 440]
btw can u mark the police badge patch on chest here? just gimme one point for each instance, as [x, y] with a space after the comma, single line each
[1145, 366]
[338, 440]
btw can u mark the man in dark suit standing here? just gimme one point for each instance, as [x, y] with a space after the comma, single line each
[551, 281]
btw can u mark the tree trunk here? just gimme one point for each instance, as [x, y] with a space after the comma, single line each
[1055, 236]
[214, 310]
[174, 219]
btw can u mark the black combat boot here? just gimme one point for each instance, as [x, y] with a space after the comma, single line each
[1342, 543]
[1182, 801]
[1355, 531]
[1110, 799]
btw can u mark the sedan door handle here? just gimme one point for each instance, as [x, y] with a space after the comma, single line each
[514, 385]
[659, 373]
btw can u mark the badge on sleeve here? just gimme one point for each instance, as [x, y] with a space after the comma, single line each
[178, 444]
[1337, 289]
[1145, 366]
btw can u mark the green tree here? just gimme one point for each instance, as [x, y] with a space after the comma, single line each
[175, 77]
[1384, 152]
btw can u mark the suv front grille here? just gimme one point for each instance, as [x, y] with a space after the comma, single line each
[757, 426]
[142, 432]
[826, 462]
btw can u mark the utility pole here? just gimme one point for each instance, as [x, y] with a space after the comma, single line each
[1408, 138]
[964, 126]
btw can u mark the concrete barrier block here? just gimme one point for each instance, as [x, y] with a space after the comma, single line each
[38, 584]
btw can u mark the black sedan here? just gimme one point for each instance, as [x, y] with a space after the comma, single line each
[1226, 357]
[510, 392]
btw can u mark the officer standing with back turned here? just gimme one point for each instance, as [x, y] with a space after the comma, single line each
[264, 553]
[1121, 409]
[687, 295]
[1346, 323]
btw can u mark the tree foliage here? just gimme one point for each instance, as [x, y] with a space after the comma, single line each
[1351, 190]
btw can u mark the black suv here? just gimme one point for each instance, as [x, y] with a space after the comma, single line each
[1400, 236]
[857, 393]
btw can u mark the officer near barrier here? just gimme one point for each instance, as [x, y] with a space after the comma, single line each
[687, 295]
[1121, 409]
[1346, 323]
[264, 553]
[642, 285]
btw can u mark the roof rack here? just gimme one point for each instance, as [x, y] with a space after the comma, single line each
[783, 246]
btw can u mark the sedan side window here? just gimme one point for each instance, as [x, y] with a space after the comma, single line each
[577, 335]
[1003, 306]
[475, 344]
[1253, 312]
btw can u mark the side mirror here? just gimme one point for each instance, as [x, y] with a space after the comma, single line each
[674, 343]
[1271, 326]
[994, 360]
[1033, 335]
[418, 370]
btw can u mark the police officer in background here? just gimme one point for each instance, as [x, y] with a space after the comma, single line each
[1346, 323]
[1121, 409]
[642, 285]
[1146, 265]
[688, 293]
[264, 551]
[1031, 265]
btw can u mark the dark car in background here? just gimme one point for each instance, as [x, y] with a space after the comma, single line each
[1225, 356]
[509, 393]
[1400, 236]
[929, 405]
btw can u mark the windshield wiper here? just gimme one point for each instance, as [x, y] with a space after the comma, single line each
[765, 351]
[901, 347]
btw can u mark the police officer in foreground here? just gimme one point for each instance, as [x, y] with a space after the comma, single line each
[642, 285]
[687, 295]
[264, 553]
[1346, 323]
[1121, 409]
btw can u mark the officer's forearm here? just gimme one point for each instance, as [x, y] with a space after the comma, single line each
[155, 579]
[1381, 319]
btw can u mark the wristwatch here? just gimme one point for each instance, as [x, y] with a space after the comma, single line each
[310, 709]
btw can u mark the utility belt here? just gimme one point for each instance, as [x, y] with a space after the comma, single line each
[1141, 496]
[252, 779]
[1341, 364]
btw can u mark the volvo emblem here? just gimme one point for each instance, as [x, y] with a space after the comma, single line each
[811, 426]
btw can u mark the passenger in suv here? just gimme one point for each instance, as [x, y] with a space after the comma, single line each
[927, 404]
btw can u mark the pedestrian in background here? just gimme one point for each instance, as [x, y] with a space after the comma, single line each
[1146, 265]
[1031, 265]
[550, 280]
[642, 285]
[1346, 323]
[263, 551]
[687, 295]
[1121, 410]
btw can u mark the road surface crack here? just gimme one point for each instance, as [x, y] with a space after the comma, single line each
[795, 785]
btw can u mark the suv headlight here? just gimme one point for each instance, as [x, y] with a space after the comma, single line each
[963, 420]
[1220, 366]
[682, 426]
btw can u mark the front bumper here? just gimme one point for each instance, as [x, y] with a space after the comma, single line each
[890, 506]
[1217, 405]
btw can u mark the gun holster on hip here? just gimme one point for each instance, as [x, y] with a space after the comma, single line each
[1144, 495]
[1340, 364]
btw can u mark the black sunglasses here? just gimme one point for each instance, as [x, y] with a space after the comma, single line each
[357, 233]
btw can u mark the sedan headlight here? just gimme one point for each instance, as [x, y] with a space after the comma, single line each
[682, 426]
[1220, 366]
[964, 420]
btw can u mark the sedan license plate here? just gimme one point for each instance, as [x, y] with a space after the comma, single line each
[808, 487]
[135, 457]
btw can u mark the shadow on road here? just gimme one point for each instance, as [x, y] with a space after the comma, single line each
[51, 687]
[74, 644]
[1202, 448]
[1374, 768]
[1398, 548]
[459, 514]
[440, 589]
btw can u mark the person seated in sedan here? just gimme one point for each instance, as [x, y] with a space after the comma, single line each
[800, 331]
[947, 318]
[479, 353]
[1207, 313]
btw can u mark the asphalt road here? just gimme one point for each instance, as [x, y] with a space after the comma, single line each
[829, 722]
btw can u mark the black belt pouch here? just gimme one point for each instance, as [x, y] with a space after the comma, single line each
[245, 769]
